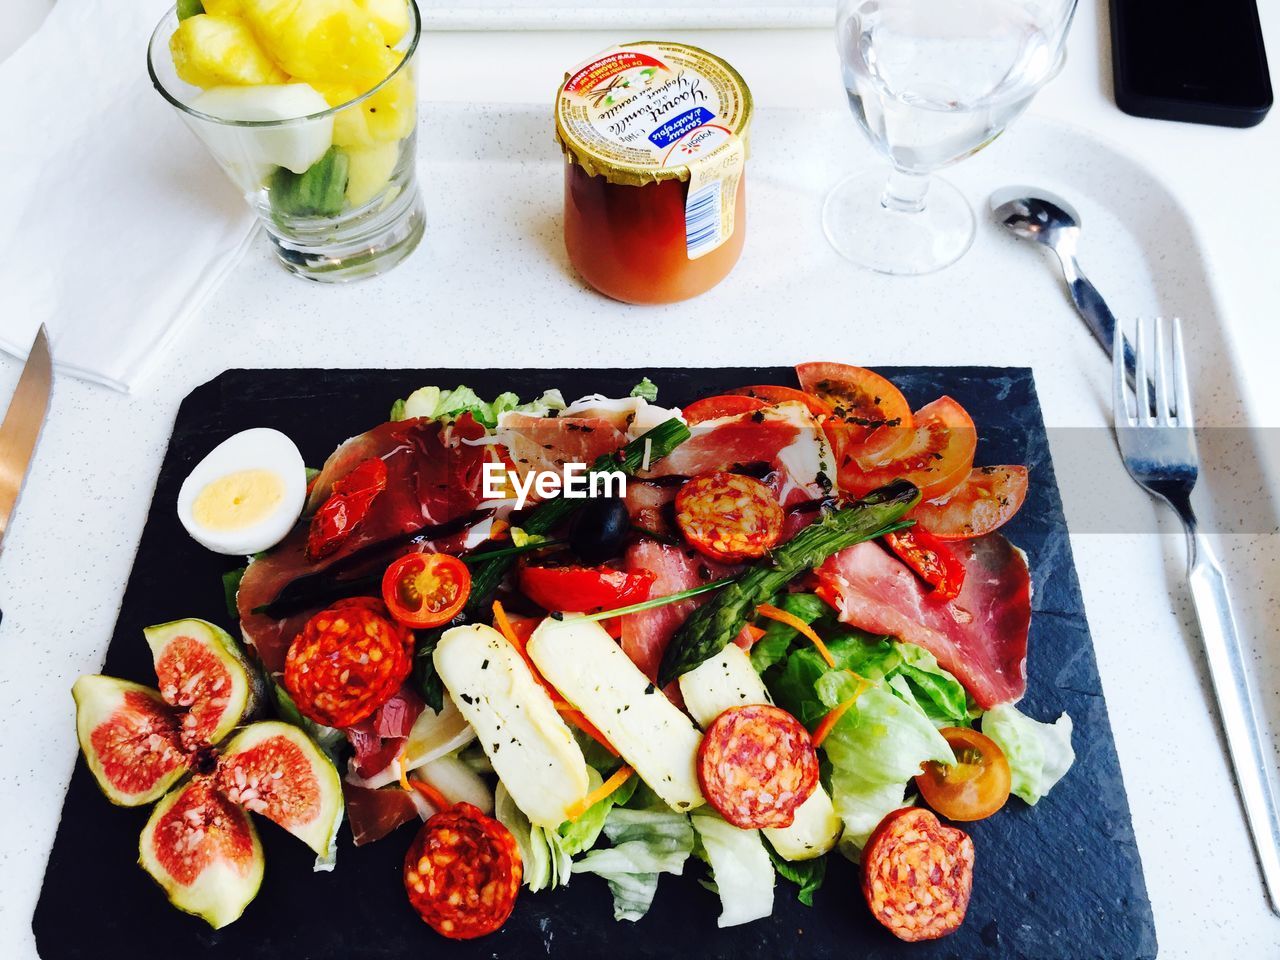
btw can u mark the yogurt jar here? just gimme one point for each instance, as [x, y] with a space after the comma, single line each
[654, 136]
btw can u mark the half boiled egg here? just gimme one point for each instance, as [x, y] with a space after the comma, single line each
[246, 495]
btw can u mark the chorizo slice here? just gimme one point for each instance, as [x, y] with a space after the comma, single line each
[729, 517]
[917, 875]
[757, 765]
[463, 872]
[347, 661]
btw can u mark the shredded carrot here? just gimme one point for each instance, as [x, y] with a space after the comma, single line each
[571, 714]
[620, 776]
[404, 774]
[434, 796]
[498, 530]
[828, 722]
[795, 623]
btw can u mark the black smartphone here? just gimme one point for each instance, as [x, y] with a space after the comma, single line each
[1193, 61]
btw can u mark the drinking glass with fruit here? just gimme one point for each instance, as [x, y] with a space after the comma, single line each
[310, 106]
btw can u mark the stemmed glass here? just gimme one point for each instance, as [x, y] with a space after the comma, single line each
[932, 82]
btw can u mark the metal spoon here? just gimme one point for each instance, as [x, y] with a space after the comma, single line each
[1041, 217]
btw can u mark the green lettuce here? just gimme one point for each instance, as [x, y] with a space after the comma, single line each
[740, 866]
[582, 834]
[875, 749]
[646, 389]
[547, 863]
[778, 637]
[807, 875]
[436, 403]
[1039, 754]
[646, 844]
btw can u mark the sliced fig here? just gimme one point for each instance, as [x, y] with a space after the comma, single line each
[275, 769]
[202, 671]
[130, 737]
[204, 851]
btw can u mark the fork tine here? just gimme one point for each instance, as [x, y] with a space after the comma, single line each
[1119, 393]
[1181, 384]
[1162, 374]
[1142, 405]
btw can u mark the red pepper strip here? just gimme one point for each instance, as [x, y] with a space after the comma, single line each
[931, 559]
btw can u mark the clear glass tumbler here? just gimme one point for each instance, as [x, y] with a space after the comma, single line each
[932, 82]
[334, 186]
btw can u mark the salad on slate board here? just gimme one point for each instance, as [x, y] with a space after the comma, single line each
[598, 638]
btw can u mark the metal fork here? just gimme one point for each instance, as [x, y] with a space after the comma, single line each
[1157, 444]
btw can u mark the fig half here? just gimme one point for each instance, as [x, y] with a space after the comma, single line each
[274, 769]
[204, 852]
[130, 737]
[202, 671]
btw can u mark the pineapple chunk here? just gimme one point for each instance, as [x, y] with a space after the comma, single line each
[390, 16]
[385, 116]
[223, 8]
[326, 41]
[369, 171]
[213, 51]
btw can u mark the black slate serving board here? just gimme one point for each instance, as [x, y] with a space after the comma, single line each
[1062, 881]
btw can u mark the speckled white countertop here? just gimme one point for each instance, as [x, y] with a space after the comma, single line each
[69, 553]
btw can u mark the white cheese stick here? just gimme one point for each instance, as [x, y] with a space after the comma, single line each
[590, 670]
[531, 749]
[729, 680]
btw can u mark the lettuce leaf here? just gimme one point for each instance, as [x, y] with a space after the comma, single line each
[1039, 754]
[546, 863]
[776, 642]
[807, 875]
[879, 744]
[435, 402]
[582, 834]
[740, 867]
[646, 844]
[646, 389]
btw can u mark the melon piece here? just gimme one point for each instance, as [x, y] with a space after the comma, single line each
[274, 769]
[202, 672]
[204, 852]
[254, 152]
[325, 40]
[369, 171]
[213, 50]
[130, 737]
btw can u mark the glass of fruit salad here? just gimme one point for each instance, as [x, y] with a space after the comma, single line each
[310, 106]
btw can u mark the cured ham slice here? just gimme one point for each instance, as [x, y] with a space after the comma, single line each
[784, 437]
[647, 505]
[548, 443]
[433, 478]
[980, 636]
[645, 635]
[379, 739]
[375, 813]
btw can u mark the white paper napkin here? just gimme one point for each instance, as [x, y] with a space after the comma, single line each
[116, 223]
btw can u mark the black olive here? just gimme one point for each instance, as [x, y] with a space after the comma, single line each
[600, 529]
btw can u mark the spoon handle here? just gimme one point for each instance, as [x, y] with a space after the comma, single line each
[1095, 312]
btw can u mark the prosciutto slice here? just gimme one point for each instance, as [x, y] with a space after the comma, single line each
[432, 478]
[786, 438]
[548, 443]
[980, 636]
[375, 813]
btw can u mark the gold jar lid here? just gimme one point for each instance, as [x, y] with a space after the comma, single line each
[651, 110]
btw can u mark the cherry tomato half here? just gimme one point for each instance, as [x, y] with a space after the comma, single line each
[724, 405]
[937, 460]
[584, 589]
[770, 394]
[985, 501]
[426, 589]
[976, 786]
[932, 560]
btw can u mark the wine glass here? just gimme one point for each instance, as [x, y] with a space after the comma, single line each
[931, 82]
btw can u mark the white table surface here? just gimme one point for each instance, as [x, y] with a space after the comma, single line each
[77, 529]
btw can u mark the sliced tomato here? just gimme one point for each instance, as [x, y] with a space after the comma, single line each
[975, 786]
[584, 589]
[871, 416]
[713, 408]
[937, 460]
[932, 560]
[986, 500]
[426, 589]
[771, 394]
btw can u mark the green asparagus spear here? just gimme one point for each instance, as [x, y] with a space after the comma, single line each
[709, 628]
[485, 576]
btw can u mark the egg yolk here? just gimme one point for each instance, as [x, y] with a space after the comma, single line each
[238, 500]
